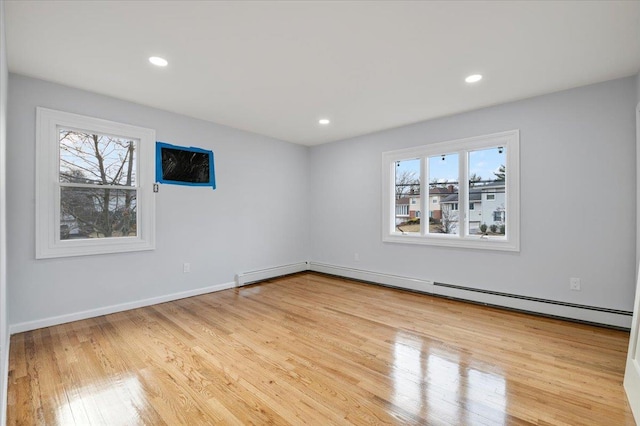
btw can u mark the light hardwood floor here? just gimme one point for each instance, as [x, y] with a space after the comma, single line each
[313, 349]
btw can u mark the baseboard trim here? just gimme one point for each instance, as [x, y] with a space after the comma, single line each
[240, 280]
[91, 313]
[588, 314]
[373, 277]
[249, 277]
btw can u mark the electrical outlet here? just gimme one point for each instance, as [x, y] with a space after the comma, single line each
[356, 257]
[574, 284]
[186, 268]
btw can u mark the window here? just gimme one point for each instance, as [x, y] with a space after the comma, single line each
[470, 182]
[402, 210]
[94, 186]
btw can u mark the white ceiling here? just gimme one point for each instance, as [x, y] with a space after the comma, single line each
[275, 68]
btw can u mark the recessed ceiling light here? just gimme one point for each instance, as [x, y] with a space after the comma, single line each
[473, 78]
[158, 61]
[324, 121]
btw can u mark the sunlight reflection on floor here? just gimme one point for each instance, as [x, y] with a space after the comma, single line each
[445, 389]
[113, 405]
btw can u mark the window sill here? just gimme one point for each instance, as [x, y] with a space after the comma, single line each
[68, 248]
[480, 243]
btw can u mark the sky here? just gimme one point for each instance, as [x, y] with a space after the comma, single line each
[483, 163]
[77, 154]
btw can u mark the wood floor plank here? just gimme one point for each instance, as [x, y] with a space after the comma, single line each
[315, 349]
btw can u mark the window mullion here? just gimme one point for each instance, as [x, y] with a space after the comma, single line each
[463, 191]
[424, 197]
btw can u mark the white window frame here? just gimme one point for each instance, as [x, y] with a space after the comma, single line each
[510, 140]
[48, 241]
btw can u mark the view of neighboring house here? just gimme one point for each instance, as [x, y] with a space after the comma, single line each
[486, 206]
[414, 206]
[402, 210]
[407, 208]
[436, 195]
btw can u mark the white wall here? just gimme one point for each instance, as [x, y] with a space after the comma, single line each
[637, 181]
[4, 335]
[256, 218]
[577, 153]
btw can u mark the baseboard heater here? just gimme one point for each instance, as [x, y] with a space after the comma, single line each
[536, 299]
[250, 277]
[589, 314]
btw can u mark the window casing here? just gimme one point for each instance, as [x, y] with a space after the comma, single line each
[86, 209]
[460, 193]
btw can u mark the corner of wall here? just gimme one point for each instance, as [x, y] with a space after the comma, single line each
[4, 336]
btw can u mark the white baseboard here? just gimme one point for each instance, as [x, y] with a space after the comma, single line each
[374, 277]
[545, 307]
[91, 313]
[245, 278]
[241, 279]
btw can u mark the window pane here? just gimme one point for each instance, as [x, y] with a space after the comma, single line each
[487, 179]
[407, 196]
[96, 159]
[443, 192]
[97, 213]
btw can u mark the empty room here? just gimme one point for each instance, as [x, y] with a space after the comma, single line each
[319, 212]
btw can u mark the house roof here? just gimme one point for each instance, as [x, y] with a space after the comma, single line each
[439, 190]
[476, 192]
[490, 185]
[453, 198]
